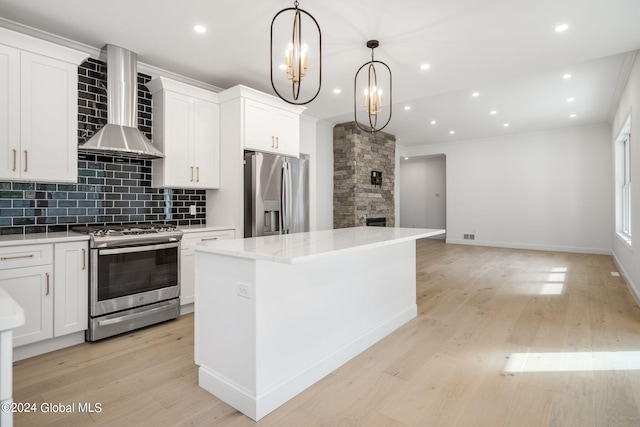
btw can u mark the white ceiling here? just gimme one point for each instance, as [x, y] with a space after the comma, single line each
[507, 50]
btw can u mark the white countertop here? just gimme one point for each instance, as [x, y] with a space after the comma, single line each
[40, 238]
[204, 228]
[11, 314]
[301, 247]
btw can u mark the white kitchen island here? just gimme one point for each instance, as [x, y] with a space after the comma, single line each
[275, 314]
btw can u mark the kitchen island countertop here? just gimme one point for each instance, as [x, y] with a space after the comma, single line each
[301, 247]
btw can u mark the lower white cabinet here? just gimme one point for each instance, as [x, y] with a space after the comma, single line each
[187, 258]
[71, 292]
[31, 288]
[50, 283]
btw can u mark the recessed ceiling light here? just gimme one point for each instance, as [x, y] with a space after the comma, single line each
[337, 91]
[425, 67]
[493, 112]
[200, 29]
[570, 99]
[562, 27]
[433, 122]
[573, 116]
[506, 125]
[475, 94]
[407, 107]
[451, 132]
[566, 76]
[406, 158]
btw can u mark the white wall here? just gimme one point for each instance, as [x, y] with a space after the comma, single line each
[423, 193]
[324, 178]
[308, 149]
[627, 259]
[546, 190]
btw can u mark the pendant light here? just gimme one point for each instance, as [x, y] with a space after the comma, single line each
[372, 103]
[296, 59]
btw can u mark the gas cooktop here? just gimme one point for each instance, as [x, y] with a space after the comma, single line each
[130, 234]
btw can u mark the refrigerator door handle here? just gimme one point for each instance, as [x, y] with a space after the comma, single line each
[286, 207]
[283, 199]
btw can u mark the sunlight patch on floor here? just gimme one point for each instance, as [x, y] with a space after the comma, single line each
[574, 361]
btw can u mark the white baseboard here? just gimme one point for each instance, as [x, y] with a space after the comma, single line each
[580, 250]
[42, 347]
[635, 291]
[256, 407]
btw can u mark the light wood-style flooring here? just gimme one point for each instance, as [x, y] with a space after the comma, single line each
[503, 338]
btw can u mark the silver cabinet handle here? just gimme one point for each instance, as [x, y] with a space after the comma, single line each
[208, 238]
[26, 160]
[4, 258]
[84, 259]
[277, 142]
[197, 173]
[15, 153]
[47, 293]
[191, 173]
[273, 142]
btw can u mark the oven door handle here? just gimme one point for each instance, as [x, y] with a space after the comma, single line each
[128, 317]
[144, 248]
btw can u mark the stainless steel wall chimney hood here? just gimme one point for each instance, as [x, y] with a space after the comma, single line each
[121, 135]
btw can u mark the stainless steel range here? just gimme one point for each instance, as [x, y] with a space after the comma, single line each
[134, 277]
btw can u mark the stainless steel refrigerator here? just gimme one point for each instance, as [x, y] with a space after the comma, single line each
[276, 194]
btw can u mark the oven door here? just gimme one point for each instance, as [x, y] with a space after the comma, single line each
[123, 278]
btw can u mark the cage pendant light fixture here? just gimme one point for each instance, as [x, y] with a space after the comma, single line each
[288, 72]
[372, 96]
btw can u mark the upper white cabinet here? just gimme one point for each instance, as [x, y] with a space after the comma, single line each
[271, 129]
[38, 109]
[186, 127]
[265, 122]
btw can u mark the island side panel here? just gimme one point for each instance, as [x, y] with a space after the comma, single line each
[224, 329]
[314, 316]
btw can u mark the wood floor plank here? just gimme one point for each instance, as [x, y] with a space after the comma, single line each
[503, 337]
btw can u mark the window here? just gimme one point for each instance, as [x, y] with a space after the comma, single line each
[623, 183]
[626, 188]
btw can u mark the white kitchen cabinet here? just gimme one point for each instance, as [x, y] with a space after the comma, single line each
[32, 289]
[186, 127]
[26, 274]
[50, 282]
[187, 258]
[38, 109]
[71, 293]
[271, 129]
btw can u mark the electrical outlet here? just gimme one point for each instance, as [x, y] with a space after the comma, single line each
[243, 290]
[472, 236]
[466, 237]
[192, 210]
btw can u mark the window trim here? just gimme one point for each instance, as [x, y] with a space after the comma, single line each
[623, 184]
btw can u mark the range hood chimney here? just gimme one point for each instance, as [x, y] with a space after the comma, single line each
[121, 135]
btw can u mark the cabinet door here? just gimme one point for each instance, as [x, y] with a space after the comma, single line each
[32, 289]
[71, 296]
[48, 115]
[9, 112]
[206, 144]
[187, 259]
[178, 144]
[287, 131]
[258, 127]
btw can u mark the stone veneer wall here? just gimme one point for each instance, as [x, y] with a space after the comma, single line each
[355, 155]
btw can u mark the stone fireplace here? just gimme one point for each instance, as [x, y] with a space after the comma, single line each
[363, 176]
